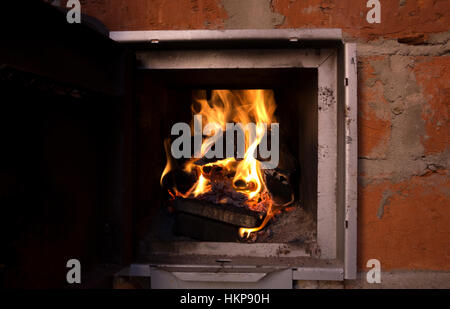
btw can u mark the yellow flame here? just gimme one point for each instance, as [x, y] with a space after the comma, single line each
[201, 186]
[238, 106]
[169, 159]
[248, 169]
[245, 232]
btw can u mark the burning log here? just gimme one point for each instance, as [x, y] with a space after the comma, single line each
[242, 185]
[279, 187]
[226, 213]
[203, 161]
[223, 140]
[205, 229]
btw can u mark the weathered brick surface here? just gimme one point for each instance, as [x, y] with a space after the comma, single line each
[405, 225]
[156, 14]
[399, 19]
[411, 20]
[433, 75]
[403, 88]
[373, 111]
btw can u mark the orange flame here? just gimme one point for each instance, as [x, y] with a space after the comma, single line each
[201, 186]
[169, 159]
[245, 232]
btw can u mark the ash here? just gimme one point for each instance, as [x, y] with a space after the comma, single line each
[290, 226]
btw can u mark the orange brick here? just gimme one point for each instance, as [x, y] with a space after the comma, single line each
[408, 21]
[156, 14]
[374, 127]
[433, 75]
[414, 231]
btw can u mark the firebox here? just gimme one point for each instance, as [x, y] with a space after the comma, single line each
[226, 221]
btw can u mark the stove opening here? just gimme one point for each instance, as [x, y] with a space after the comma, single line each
[257, 184]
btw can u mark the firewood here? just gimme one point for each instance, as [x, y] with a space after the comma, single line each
[279, 187]
[226, 213]
[205, 229]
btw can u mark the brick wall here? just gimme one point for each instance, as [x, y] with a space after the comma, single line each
[403, 88]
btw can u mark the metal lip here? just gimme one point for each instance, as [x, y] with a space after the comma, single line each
[290, 35]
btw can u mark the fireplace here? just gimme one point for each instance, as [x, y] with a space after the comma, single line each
[208, 221]
[218, 213]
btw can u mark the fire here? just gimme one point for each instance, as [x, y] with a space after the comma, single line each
[245, 232]
[246, 107]
[201, 186]
[249, 170]
[169, 164]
